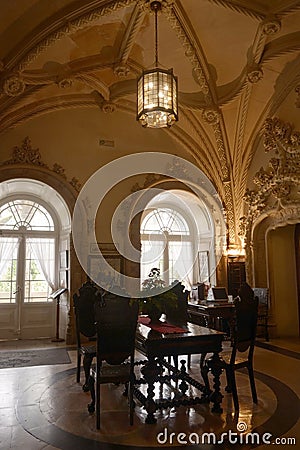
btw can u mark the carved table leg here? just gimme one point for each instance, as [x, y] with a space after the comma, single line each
[204, 373]
[150, 371]
[215, 365]
[183, 386]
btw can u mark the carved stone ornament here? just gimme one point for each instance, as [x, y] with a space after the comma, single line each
[211, 116]
[25, 154]
[76, 184]
[255, 74]
[65, 83]
[278, 184]
[14, 86]
[59, 170]
[121, 71]
[279, 135]
[108, 107]
[271, 26]
[150, 179]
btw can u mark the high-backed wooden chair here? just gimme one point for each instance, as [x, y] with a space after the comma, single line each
[178, 314]
[241, 354]
[116, 322]
[85, 326]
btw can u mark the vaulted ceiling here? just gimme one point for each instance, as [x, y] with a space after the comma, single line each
[237, 63]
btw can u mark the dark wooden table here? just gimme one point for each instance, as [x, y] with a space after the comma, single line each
[157, 346]
[211, 314]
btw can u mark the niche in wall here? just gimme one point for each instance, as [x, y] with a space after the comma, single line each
[283, 280]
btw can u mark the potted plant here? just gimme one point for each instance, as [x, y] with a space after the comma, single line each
[155, 297]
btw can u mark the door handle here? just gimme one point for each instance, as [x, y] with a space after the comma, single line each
[17, 290]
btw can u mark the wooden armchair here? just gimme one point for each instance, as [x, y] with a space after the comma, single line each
[241, 353]
[116, 322]
[85, 326]
[242, 347]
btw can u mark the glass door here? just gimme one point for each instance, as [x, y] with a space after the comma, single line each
[26, 309]
[27, 271]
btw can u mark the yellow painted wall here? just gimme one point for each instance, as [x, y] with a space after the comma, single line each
[282, 279]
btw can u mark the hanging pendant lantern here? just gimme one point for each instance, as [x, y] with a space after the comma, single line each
[157, 97]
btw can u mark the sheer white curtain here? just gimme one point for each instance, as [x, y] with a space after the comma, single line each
[43, 250]
[7, 247]
[152, 256]
[181, 257]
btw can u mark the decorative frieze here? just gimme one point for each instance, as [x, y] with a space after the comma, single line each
[25, 154]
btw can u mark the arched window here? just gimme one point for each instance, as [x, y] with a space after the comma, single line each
[166, 244]
[27, 252]
[27, 214]
[182, 235]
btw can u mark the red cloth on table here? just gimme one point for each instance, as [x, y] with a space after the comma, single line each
[162, 327]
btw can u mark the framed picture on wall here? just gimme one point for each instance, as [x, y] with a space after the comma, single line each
[106, 248]
[203, 264]
[97, 270]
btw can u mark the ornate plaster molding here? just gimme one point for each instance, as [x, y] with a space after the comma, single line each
[25, 154]
[192, 52]
[230, 216]
[40, 107]
[61, 28]
[281, 137]
[241, 8]
[255, 74]
[121, 70]
[277, 191]
[221, 149]
[14, 85]
[271, 25]
[211, 116]
[128, 40]
[108, 107]
[65, 83]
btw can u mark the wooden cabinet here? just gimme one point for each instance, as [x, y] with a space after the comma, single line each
[236, 276]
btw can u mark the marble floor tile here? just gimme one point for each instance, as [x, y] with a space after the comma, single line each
[44, 408]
